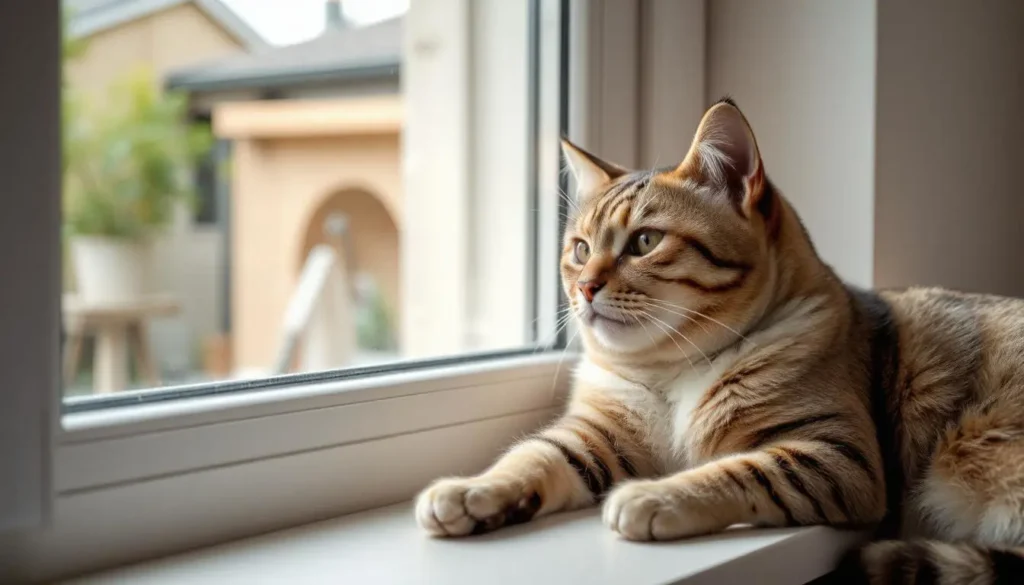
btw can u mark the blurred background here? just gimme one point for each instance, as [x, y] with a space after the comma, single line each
[211, 146]
[239, 173]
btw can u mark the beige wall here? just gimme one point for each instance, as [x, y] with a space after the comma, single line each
[278, 185]
[950, 149]
[164, 41]
[804, 73]
[371, 245]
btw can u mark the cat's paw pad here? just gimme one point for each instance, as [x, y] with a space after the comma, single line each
[648, 510]
[461, 506]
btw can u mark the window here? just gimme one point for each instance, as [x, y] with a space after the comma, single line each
[390, 197]
[433, 373]
[204, 367]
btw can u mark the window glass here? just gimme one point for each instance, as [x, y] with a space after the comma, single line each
[258, 189]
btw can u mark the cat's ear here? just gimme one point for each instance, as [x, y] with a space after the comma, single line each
[591, 173]
[724, 154]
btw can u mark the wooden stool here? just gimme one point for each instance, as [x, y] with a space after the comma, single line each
[117, 326]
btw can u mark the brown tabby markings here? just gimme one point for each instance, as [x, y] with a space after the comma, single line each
[731, 377]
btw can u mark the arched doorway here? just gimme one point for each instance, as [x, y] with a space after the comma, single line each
[355, 223]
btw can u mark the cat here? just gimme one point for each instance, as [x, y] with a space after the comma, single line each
[729, 376]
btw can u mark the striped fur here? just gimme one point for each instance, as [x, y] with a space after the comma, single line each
[731, 377]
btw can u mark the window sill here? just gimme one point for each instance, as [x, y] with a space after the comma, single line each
[198, 468]
[385, 546]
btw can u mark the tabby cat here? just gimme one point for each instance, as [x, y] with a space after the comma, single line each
[730, 377]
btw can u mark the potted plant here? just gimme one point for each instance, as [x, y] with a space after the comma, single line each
[127, 166]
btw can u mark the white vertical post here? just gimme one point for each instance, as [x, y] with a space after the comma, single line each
[435, 246]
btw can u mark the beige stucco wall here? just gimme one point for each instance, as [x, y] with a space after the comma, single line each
[371, 246]
[164, 41]
[278, 185]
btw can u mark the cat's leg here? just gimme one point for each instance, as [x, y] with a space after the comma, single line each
[973, 490]
[566, 466]
[788, 483]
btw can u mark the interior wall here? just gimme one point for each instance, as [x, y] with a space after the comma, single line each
[949, 147]
[803, 71]
[671, 87]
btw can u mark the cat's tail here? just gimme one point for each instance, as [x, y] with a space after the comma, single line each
[895, 562]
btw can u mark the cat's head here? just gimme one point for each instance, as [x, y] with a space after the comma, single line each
[676, 260]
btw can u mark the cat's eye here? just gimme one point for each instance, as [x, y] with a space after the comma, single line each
[643, 242]
[581, 253]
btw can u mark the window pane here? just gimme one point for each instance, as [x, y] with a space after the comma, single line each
[255, 189]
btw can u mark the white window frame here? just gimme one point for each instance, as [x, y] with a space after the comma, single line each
[136, 482]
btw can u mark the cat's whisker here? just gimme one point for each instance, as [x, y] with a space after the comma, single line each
[655, 322]
[640, 322]
[645, 200]
[560, 313]
[571, 201]
[704, 316]
[560, 324]
[561, 214]
[561, 358]
[561, 317]
[683, 315]
[685, 338]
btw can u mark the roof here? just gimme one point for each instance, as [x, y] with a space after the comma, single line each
[89, 17]
[342, 54]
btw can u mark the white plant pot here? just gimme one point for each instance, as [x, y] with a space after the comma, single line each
[109, 270]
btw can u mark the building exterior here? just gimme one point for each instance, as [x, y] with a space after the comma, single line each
[417, 131]
[315, 134]
[161, 34]
[164, 36]
[414, 131]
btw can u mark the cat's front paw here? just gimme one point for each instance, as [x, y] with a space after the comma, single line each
[461, 506]
[652, 510]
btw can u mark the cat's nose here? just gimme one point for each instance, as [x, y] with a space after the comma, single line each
[589, 288]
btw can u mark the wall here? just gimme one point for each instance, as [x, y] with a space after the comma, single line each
[672, 88]
[803, 71]
[949, 128]
[278, 185]
[372, 237]
[162, 41]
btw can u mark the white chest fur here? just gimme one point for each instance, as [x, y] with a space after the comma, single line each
[668, 407]
[685, 392]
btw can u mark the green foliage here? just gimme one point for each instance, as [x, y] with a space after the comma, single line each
[373, 323]
[129, 163]
[71, 49]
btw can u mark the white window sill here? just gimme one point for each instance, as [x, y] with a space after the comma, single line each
[385, 546]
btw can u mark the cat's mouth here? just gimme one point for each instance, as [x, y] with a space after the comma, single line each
[593, 316]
